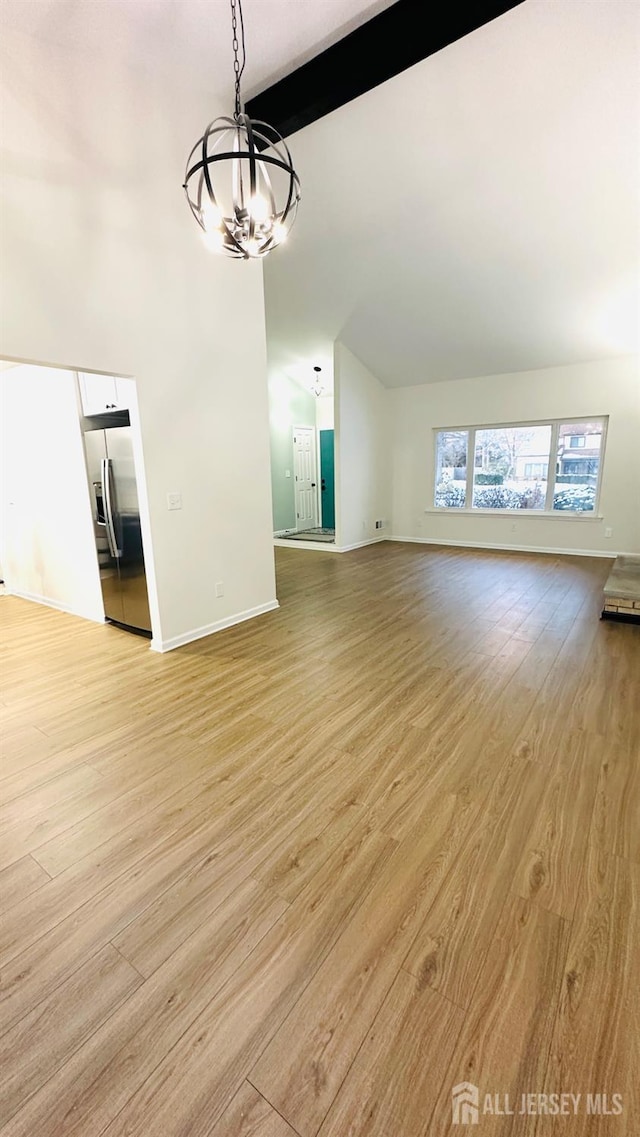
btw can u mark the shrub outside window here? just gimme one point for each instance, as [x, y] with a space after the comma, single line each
[545, 467]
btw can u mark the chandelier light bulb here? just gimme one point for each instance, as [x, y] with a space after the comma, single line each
[259, 208]
[211, 216]
[213, 239]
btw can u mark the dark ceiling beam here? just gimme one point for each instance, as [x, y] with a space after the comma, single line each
[397, 38]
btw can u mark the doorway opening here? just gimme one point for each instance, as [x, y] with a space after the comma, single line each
[73, 480]
[314, 470]
[302, 461]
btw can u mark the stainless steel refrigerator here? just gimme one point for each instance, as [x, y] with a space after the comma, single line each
[116, 517]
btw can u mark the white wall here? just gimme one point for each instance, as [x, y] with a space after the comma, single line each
[363, 490]
[609, 387]
[49, 551]
[104, 270]
[324, 412]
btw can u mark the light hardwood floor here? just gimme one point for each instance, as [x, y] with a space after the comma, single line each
[305, 876]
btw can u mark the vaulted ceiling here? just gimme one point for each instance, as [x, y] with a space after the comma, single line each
[195, 35]
[476, 214]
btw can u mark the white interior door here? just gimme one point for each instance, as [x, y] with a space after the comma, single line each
[304, 459]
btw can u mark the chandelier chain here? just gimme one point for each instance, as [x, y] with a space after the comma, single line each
[236, 16]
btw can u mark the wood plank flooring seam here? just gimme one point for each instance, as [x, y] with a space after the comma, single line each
[201, 779]
[480, 954]
[87, 1089]
[117, 1005]
[466, 1061]
[441, 994]
[127, 870]
[378, 1014]
[353, 908]
[365, 1035]
[558, 1001]
[270, 1103]
[85, 816]
[130, 963]
[20, 894]
[593, 937]
[510, 896]
[138, 788]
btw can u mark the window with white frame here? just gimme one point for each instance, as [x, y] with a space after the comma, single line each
[545, 467]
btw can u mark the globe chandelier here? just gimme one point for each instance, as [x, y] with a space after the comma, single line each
[240, 182]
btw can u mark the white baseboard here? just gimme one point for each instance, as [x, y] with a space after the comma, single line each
[315, 546]
[507, 548]
[325, 546]
[57, 604]
[211, 629]
[361, 544]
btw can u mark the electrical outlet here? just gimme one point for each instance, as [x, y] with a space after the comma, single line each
[220, 588]
[513, 526]
[174, 500]
[608, 532]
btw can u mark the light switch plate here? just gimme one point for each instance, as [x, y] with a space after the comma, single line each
[174, 500]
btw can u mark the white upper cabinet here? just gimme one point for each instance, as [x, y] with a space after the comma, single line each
[101, 393]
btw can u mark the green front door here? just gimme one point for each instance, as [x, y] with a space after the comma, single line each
[327, 484]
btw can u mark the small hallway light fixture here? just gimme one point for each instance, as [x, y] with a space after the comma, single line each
[240, 182]
[318, 386]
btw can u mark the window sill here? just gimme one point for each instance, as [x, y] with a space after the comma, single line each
[521, 514]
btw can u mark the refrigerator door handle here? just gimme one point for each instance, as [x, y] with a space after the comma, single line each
[99, 500]
[105, 467]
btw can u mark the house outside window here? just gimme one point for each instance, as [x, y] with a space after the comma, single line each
[536, 470]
